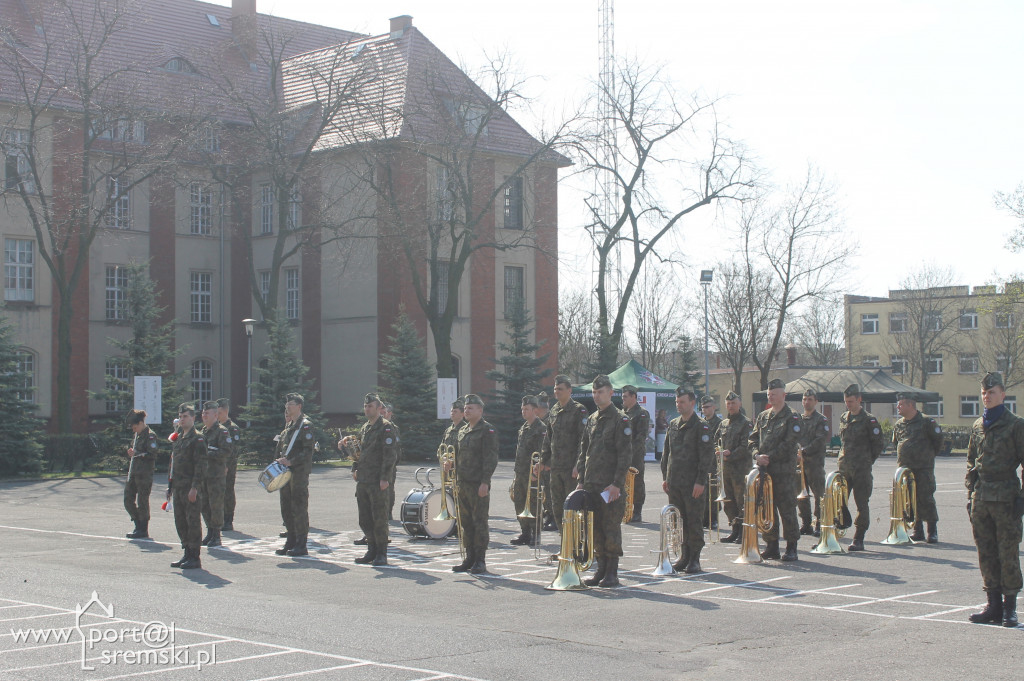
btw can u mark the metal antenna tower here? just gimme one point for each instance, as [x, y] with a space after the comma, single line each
[605, 190]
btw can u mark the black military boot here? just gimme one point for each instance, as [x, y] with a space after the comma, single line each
[521, 540]
[467, 563]
[1010, 610]
[637, 513]
[178, 563]
[817, 529]
[135, 532]
[806, 529]
[790, 554]
[771, 551]
[361, 542]
[282, 535]
[933, 532]
[993, 612]
[382, 556]
[300, 547]
[479, 566]
[918, 534]
[683, 561]
[602, 570]
[611, 573]
[141, 531]
[367, 558]
[228, 525]
[693, 565]
[734, 535]
[549, 523]
[206, 539]
[214, 538]
[289, 544]
[193, 562]
[858, 542]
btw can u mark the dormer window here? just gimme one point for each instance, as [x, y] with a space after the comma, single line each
[179, 65]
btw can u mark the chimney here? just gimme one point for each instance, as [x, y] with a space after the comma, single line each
[243, 23]
[791, 355]
[399, 25]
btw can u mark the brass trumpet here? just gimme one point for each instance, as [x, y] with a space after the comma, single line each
[902, 507]
[670, 541]
[758, 514]
[577, 551]
[834, 514]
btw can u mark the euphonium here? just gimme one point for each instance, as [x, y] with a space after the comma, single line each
[627, 491]
[446, 482]
[902, 507]
[758, 514]
[670, 541]
[577, 551]
[530, 487]
[834, 514]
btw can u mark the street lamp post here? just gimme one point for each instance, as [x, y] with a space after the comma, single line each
[705, 282]
[249, 324]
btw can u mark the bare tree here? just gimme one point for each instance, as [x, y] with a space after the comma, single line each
[999, 340]
[576, 326]
[732, 315]
[819, 331]
[658, 323]
[1013, 203]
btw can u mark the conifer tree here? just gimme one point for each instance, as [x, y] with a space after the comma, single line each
[408, 383]
[20, 450]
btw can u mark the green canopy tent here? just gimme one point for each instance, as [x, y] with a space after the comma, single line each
[633, 373]
[876, 386]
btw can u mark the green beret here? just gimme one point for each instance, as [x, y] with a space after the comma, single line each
[211, 405]
[991, 380]
[602, 381]
[186, 407]
[472, 399]
[542, 399]
[294, 397]
[562, 379]
[629, 388]
[685, 390]
[810, 393]
[371, 398]
[707, 399]
[731, 396]
[909, 397]
[459, 404]
[852, 390]
[776, 384]
[531, 401]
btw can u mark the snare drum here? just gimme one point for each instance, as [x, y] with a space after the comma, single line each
[275, 476]
[419, 509]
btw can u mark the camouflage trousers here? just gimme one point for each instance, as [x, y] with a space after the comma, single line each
[735, 485]
[213, 495]
[372, 503]
[136, 492]
[997, 534]
[295, 502]
[924, 482]
[390, 492]
[814, 472]
[608, 526]
[784, 491]
[692, 512]
[639, 486]
[475, 511]
[229, 488]
[522, 480]
[187, 518]
[562, 483]
[859, 483]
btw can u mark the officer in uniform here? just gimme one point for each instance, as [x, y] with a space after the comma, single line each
[295, 450]
[187, 476]
[218, 441]
[814, 437]
[733, 436]
[451, 433]
[640, 424]
[604, 457]
[379, 446]
[994, 453]
[709, 411]
[566, 422]
[918, 439]
[773, 444]
[688, 458]
[530, 440]
[139, 484]
[862, 444]
[231, 459]
[476, 457]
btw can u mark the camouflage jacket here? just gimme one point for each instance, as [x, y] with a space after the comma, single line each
[301, 453]
[451, 433]
[378, 451]
[640, 424]
[476, 455]
[189, 460]
[993, 456]
[814, 436]
[605, 452]
[917, 441]
[531, 439]
[734, 436]
[689, 452]
[217, 444]
[862, 441]
[564, 435]
[145, 450]
[713, 423]
[234, 439]
[775, 435]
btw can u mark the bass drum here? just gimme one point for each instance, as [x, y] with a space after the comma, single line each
[420, 507]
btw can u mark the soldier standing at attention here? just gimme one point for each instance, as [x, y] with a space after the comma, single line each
[530, 440]
[372, 473]
[139, 484]
[918, 439]
[994, 453]
[231, 459]
[544, 414]
[709, 411]
[773, 443]
[733, 437]
[190, 459]
[451, 433]
[566, 422]
[814, 436]
[688, 458]
[862, 445]
[640, 424]
[295, 450]
[217, 443]
[388, 413]
[476, 457]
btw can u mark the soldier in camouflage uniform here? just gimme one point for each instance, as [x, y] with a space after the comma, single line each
[709, 412]
[814, 436]
[188, 472]
[451, 433]
[689, 457]
[372, 473]
[862, 444]
[544, 414]
[139, 484]
[994, 503]
[918, 439]
[231, 460]
[604, 457]
[218, 441]
[773, 444]
[566, 422]
[640, 424]
[530, 441]
[733, 436]
[476, 457]
[295, 450]
[388, 414]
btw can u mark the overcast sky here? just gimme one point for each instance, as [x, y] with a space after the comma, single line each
[913, 108]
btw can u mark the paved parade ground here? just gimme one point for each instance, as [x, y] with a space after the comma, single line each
[75, 594]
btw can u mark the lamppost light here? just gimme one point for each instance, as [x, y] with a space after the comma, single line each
[706, 275]
[248, 324]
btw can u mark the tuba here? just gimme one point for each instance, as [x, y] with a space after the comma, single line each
[577, 551]
[670, 541]
[758, 514]
[627, 490]
[902, 507]
[835, 514]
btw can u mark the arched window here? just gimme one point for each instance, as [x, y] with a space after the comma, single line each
[202, 381]
[179, 65]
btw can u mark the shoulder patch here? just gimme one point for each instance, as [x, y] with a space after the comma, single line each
[199, 437]
[876, 431]
[796, 428]
[826, 428]
[305, 426]
[627, 430]
[490, 430]
[388, 440]
[705, 438]
[874, 420]
[938, 429]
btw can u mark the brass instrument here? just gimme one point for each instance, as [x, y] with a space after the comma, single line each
[530, 487]
[670, 541]
[627, 490]
[902, 507]
[805, 490]
[450, 480]
[577, 552]
[758, 514]
[352, 447]
[716, 495]
[835, 514]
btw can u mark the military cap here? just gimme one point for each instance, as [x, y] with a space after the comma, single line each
[472, 399]
[810, 393]
[211, 405]
[776, 384]
[459, 404]
[223, 402]
[135, 416]
[562, 379]
[731, 396]
[685, 390]
[909, 397]
[631, 389]
[542, 398]
[371, 398]
[852, 390]
[186, 407]
[991, 380]
[602, 381]
[530, 400]
[707, 399]
[294, 397]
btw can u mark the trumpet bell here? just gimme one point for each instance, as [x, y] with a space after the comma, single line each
[898, 534]
[749, 552]
[526, 514]
[828, 543]
[664, 567]
[803, 494]
[444, 515]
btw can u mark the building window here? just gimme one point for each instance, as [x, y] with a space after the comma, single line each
[117, 286]
[1011, 403]
[201, 297]
[291, 290]
[264, 277]
[933, 409]
[27, 368]
[932, 320]
[933, 364]
[968, 320]
[294, 209]
[1003, 320]
[121, 130]
[116, 374]
[19, 269]
[869, 323]
[871, 361]
[202, 382]
[515, 288]
[441, 294]
[207, 140]
[119, 213]
[179, 65]
[897, 322]
[514, 203]
[17, 170]
[200, 209]
[900, 366]
[445, 195]
[1003, 364]
[970, 407]
[266, 209]
[969, 363]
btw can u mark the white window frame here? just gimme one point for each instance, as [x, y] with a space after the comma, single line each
[934, 409]
[264, 284]
[200, 213]
[17, 169]
[293, 293]
[19, 270]
[507, 289]
[266, 208]
[116, 280]
[970, 407]
[871, 361]
[1011, 403]
[931, 320]
[294, 209]
[116, 369]
[119, 216]
[973, 362]
[201, 374]
[27, 367]
[869, 323]
[904, 365]
[200, 297]
[968, 319]
[445, 195]
[512, 202]
[1003, 363]
[897, 317]
[933, 364]
[1003, 320]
